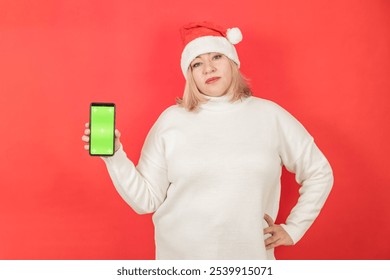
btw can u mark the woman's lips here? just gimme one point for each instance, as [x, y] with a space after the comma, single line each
[212, 80]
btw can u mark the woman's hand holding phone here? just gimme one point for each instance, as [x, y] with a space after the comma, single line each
[87, 133]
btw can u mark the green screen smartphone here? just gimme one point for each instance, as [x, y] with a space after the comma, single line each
[102, 126]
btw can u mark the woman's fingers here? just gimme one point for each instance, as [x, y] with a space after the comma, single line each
[85, 137]
[268, 219]
[278, 237]
[273, 242]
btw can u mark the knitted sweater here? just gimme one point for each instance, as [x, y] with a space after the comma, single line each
[210, 176]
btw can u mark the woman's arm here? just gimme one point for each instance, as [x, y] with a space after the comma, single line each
[314, 174]
[143, 187]
[301, 156]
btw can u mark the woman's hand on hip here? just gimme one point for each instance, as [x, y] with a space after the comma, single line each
[278, 236]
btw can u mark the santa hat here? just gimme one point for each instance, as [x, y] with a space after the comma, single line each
[206, 37]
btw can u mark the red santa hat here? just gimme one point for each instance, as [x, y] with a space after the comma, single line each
[206, 37]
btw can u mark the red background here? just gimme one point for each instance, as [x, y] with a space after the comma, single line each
[327, 62]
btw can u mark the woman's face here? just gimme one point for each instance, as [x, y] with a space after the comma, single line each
[212, 74]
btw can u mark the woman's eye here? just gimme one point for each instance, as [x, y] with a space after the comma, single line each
[197, 64]
[217, 56]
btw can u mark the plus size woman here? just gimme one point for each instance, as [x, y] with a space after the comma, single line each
[210, 166]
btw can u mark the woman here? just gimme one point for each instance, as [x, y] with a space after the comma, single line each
[210, 167]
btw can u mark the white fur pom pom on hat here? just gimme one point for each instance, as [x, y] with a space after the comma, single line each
[234, 35]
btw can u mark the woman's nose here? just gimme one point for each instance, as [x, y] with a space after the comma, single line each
[209, 67]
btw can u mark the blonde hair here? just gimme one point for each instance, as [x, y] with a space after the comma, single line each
[193, 98]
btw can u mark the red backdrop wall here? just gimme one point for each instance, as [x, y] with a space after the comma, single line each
[327, 62]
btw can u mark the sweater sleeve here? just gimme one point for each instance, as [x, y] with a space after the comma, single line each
[144, 186]
[300, 155]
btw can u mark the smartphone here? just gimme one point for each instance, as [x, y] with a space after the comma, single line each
[102, 126]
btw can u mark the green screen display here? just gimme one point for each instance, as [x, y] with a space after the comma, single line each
[102, 125]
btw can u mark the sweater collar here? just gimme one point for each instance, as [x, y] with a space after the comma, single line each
[221, 103]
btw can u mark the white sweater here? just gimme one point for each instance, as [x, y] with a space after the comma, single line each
[210, 176]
